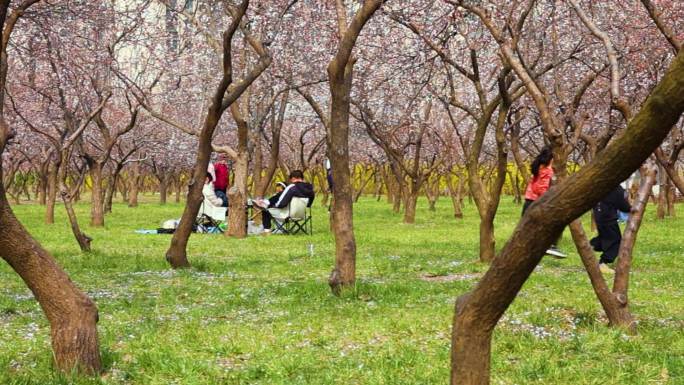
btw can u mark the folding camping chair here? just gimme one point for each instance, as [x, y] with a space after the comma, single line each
[210, 217]
[296, 219]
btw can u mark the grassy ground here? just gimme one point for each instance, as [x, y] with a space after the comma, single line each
[259, 311]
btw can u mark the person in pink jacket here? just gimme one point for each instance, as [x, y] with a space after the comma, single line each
[542, 175]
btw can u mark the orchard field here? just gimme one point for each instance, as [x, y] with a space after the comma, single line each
[259, 310]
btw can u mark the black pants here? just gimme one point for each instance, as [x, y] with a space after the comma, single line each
[222, 195]
[608, 241]
[266, 219]
[526, 205]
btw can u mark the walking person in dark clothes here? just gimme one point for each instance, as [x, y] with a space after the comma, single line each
[609, 234]
[542, 175]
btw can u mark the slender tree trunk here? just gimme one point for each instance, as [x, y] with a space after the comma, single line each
[237, 194]
[82, 239]
[662, 193]
[363, 183]
[456, 194]
[176, 255]
[178, 185]
[378, 183]
[96, 199]
[67, 197]
[42, 190]
[135, 186]
[258, 165]
[344, 273]
[111, 190]
[617, 315]
[163, 189]
[432, 193]
[671, 197]
[624, 263]
[51, 194]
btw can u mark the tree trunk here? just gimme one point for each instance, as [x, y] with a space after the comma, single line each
[456, 193]
[478, 312]
[237, 194]
[96, 199]
[344, 273]
[258, 166]
[163, 189]
[363, 183]
[662, 193]
[67, 197]
[671, 199]
[410, 207]
[72, 315]
[624, 263]
[378, 183]
[432, 193]
[82, 239]
[51, 194]
[617, 314]
[42, 190]
[111, 190]
[178, 184]
[135, 186]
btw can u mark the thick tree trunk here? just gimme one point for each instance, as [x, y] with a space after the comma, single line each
[96, 199]
[478, 312]
[72, 315]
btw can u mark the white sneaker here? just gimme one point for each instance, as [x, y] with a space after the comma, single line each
[266, 232]
[605, 269]
[554, 252]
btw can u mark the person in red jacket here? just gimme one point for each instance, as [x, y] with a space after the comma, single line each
[221, 182]
[542, 175]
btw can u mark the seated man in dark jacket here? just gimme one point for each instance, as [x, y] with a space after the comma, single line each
[296, 189]
[609, 235]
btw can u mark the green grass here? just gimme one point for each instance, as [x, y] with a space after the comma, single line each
[259, 310]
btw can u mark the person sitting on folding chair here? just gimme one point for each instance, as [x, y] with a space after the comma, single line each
[212, 213]
[210, 193]
[279, 210]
